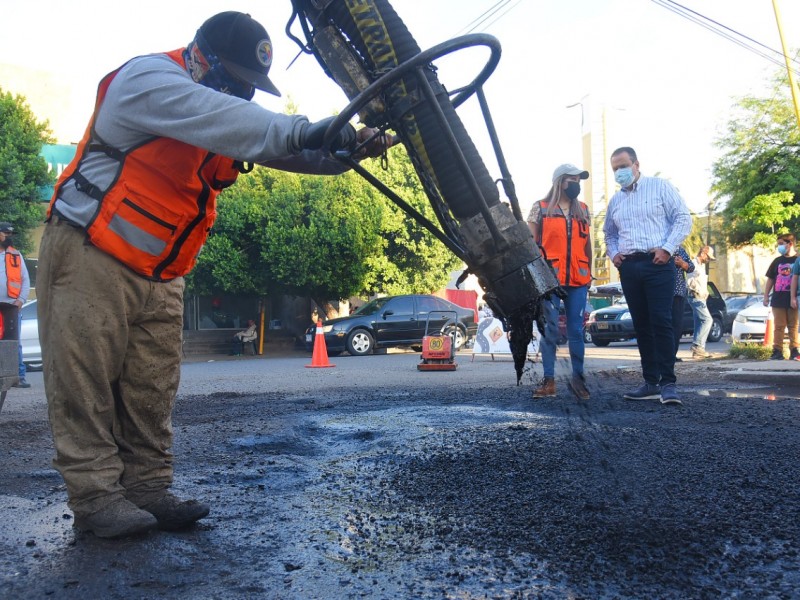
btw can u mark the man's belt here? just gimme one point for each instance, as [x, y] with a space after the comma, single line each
[637, 256]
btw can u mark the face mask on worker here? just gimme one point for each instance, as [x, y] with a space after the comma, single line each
[6, 243]
[624, 176]
[572, 190]
[206, 69]
[782, 249]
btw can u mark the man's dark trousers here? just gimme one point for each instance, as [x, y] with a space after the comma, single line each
[649, 290]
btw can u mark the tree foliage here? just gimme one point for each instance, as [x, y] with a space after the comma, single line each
[283, 233]
[322, 237]
[23, 171]
[413, 261]
[770, 211]
[761, 159]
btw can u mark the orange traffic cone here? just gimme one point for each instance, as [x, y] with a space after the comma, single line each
[319, 359]
[770, 325]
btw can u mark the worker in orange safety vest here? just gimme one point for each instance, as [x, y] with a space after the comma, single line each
[15, 286]
[170, 131]
[560, 225]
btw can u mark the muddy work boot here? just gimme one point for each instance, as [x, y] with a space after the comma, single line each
[578, 386]
[118, 519]
[172, 513]
[546, 389]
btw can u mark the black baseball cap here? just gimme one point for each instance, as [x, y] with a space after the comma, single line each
[6, 228]
[243, 47]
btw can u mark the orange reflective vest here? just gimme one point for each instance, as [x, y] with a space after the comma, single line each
[564, 243]
[13, 272]
[156, 215]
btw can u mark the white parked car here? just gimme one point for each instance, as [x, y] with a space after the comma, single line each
[29, 336]
[750, 324]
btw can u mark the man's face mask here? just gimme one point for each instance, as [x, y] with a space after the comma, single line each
[624, 176]
[6, 243]
[206, 69]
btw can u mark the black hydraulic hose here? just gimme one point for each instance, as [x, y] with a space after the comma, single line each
[384, 42]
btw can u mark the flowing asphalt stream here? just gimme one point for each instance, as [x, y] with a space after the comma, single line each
[374, 480]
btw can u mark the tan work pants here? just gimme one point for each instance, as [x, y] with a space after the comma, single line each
[111, 348]
[785, 318]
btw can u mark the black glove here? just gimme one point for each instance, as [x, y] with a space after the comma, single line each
[315, 132]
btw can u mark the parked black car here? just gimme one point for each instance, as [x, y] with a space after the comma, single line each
[395, 321]
[614, 323]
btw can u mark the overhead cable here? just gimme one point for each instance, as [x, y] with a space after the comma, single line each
[771, 54]
[487, 14]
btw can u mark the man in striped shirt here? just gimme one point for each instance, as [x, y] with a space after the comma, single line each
[645, 223]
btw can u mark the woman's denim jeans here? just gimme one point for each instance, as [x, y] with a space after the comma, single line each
[575, 306]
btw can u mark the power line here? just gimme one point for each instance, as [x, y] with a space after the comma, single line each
[508, 10]
[487, 14]
[728, 33]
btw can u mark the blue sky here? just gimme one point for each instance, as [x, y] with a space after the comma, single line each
[668, 84]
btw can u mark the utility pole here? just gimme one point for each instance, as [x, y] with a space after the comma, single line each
[597, 202]
[789, 69]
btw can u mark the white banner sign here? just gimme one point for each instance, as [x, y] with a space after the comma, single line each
[491, 339]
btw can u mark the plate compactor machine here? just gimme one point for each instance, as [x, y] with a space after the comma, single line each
[439, 349]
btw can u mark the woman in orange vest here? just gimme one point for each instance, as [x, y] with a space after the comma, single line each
[560, 225]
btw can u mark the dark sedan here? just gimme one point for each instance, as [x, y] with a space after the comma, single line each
[614, 323]
[395, 321]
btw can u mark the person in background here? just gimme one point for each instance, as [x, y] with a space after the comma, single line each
[560, 225]
[484, 312]
[645, 222]
[697, 283]
[784, 310]
[683, 265]
[129, 215]
[240, 338]
[15, 286]
[793, 291]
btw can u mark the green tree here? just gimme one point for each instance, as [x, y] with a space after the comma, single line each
[23, 171]
[413, 261]
[697, 236]
[302, 235]
[761, 157]
[319, 240]
[770, 211]
[321, 237]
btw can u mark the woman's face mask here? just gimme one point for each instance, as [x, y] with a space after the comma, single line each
[572, 190]
[782, 249]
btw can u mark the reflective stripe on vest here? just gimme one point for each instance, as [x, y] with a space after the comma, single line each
[13, 272]
[565, 246]
[154, 220]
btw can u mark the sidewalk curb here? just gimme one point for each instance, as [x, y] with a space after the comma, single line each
[769, 377]
[770, 372]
